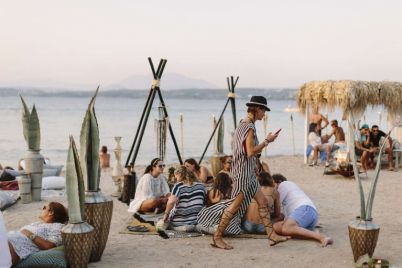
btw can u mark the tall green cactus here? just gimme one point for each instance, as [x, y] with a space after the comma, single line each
[74, 185]
[89, 147]
[30, 126]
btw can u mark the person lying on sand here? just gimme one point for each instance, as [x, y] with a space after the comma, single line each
[42, 235]
[152, 191]
[301, 214]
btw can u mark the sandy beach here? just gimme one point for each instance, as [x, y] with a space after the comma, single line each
[335, 197]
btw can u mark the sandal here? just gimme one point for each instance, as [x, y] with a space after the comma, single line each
[225, 220]
[266, 220]
[139, 229]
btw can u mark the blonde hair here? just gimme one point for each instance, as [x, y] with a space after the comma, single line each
[186, 174]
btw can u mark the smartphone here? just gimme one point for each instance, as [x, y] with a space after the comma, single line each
[277, 132]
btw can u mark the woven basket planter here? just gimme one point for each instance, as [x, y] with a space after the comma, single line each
[98, 210]
[216, 163]
[77, 240]
[363, 237]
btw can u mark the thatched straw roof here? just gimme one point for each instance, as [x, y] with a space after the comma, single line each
[351, 96]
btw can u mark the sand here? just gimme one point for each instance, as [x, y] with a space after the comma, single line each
[335, 197]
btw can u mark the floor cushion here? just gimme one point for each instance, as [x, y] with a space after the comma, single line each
[51, 258]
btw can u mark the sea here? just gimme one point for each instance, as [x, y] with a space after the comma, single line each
[119, 115]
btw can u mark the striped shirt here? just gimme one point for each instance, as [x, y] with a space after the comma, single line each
[190, 200]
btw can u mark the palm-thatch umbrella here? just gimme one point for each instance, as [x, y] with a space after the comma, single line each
[351, 96]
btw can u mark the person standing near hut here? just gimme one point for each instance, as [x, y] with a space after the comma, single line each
[318, 118]
[227, 215]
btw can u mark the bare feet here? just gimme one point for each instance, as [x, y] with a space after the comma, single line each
[390, 168]
[326, 240]
[274, 239]
[219, 243]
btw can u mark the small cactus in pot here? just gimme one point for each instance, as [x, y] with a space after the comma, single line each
[78, 235]
[98, 207]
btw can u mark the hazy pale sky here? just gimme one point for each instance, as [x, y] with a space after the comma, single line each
[267, 43]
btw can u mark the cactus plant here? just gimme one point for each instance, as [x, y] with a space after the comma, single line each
[89, 147]
[31, 127]
[366, 207]
[74, 185]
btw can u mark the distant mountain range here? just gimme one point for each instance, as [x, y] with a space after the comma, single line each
[190, 93]
[169, 81]
[137, 86]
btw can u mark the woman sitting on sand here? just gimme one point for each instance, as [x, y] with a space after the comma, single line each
[187, 199]
[221, 189]
[226, 161]
[203, 174]
[41, 235]
[152, 190]
[252, 222]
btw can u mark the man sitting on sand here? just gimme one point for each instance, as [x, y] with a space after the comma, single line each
[301, 214]
[375, 136]
[338, 132]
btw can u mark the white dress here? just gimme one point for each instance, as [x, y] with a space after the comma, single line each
[24, 246]
[148, 187]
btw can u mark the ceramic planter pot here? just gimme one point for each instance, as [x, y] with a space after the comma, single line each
[24, 186]
[98, 210]
[363, 237]
[34, 168]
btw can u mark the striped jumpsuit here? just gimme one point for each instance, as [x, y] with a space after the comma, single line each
[244, 180]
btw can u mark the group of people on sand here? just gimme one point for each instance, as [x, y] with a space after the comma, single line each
[367, 142]
[243, 196]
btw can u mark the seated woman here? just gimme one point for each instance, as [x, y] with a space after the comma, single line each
[252, 221]
[152, 190]
[221, 189]
[41, 235]
[226, 164]
[104, 157]
[318, 146]
[203, 174]
[187, 199]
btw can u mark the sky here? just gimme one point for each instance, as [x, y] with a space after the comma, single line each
[267, 43]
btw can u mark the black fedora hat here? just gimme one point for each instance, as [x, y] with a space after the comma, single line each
[258, 101]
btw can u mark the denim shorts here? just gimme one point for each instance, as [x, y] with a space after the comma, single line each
[250, 227]
[305, 216]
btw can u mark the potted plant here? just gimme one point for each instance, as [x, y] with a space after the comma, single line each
[216, 163]
[363, 232]
[33, 159]
[78, 235]
[98, 207]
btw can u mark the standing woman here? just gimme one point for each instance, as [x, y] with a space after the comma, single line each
[227, 215]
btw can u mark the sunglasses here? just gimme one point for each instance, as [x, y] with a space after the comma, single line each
[229, 162]
[162, 166]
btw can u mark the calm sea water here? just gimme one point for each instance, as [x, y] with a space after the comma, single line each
[62, 116]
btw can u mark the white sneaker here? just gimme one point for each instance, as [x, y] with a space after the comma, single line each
[326, 164]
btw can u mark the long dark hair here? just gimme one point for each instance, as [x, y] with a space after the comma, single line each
[193, 162]
[60, 213]
[151, 166]
[312, 127]
[222, 184]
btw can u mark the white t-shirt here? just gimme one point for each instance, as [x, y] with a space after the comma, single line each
[292, 197]
[148, 187]
[5, 257]
[314, 139]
